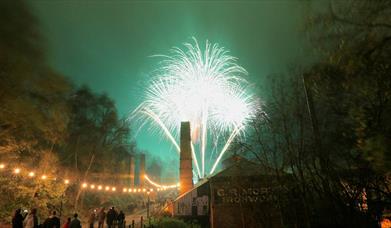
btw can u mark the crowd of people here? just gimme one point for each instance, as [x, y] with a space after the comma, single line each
[111, 219]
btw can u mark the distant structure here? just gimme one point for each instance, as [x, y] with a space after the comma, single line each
[142, 170]
[137, 170]
[132, 171]
[185, 166]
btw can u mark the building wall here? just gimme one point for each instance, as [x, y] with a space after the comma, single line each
[194, 203]
[242, 202]
[231, 202]
[194, 206]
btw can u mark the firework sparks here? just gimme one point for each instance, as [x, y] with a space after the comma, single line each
[207, 88]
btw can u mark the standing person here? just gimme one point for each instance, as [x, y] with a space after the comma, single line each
[17, 219]
[67, 224]
[31, 221]
[121, 219]
[91, 219]
[101, 217]
[52, 222]
[115, 217]
[110, 217]
[75, 222]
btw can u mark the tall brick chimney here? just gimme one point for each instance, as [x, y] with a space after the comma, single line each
[185, 165]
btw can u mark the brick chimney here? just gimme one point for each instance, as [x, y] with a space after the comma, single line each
[185, 165]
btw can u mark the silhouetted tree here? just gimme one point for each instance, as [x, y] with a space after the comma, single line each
[33, 112]
[327, 125]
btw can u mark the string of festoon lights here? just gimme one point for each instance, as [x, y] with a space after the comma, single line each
[164, 187]
[89, 186]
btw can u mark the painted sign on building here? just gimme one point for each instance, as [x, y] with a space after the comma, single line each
[236, 195]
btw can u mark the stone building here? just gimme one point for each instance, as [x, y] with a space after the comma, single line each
[238, 196]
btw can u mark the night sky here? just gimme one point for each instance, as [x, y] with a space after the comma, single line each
[107, 44]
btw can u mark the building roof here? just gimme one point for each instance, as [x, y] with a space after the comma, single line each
[237, 166]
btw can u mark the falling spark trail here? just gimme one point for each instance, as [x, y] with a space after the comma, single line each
[227, 144]
[195, 159]
[203, 141]
[161, 124]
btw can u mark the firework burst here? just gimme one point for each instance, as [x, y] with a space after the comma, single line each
[207, 88]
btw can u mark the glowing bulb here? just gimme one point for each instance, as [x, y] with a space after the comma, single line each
[113, 189]
[17, 171]
[100, 187]
[84, 185]
[66, 181]
[31, 174]
[139, 190]
[2, 166]
[129, 190]
[144, 190]
[107, 188]
[43, 177]
[92, 186]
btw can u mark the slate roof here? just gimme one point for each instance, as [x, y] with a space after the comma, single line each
[241, 167]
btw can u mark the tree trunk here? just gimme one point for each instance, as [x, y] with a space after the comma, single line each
[79, 191]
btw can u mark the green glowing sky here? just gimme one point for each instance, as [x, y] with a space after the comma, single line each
[107, 44]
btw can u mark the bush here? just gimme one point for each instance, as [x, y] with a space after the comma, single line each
[166, 222]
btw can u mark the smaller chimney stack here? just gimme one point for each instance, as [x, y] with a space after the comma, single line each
[132, 171]
[142, 170]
